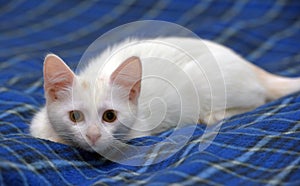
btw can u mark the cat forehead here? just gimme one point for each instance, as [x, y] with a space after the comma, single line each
[90, 83]
[96, 95]
[87, 89]
[85, 85]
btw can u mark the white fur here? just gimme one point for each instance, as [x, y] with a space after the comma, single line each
[226, 86]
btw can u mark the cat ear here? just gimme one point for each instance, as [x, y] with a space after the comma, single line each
[57, 76]
[129, 75]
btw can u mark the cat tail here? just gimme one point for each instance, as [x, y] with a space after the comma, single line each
[277, 86]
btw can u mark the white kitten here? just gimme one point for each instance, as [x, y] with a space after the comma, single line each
[130, 90]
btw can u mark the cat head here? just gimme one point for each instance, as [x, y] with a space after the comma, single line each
[90, 110]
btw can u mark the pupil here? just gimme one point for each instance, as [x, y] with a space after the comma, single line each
[110, 115]
[76, 115]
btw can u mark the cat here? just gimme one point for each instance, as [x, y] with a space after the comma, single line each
[131, 90]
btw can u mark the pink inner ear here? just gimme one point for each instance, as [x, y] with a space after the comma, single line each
[57, 76]
[128, 75]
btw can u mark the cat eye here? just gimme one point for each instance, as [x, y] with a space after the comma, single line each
[109, 116]
[76, 116]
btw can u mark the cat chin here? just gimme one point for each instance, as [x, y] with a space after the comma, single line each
[88, 148]
[85, 146]
[102, 150]
[98, 147]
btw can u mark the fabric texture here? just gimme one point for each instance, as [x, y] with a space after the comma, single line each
[260, 147]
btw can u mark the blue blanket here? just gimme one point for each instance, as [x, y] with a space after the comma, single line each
[261, 147]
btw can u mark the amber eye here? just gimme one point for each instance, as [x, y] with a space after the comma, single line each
[109, 116]
[76, 116]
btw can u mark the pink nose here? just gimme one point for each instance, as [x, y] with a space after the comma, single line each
[93, 137]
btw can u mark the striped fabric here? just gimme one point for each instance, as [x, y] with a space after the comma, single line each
[261, 147]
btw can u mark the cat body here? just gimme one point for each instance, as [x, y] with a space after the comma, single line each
[142, 87]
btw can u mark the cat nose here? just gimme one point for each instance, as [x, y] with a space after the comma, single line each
[93, 137]
[93, 134]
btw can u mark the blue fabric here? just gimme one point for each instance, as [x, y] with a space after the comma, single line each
[256, 148]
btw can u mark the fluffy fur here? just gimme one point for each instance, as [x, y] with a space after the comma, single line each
[152, 86]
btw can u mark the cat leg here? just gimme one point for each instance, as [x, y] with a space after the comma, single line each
[40, 127]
